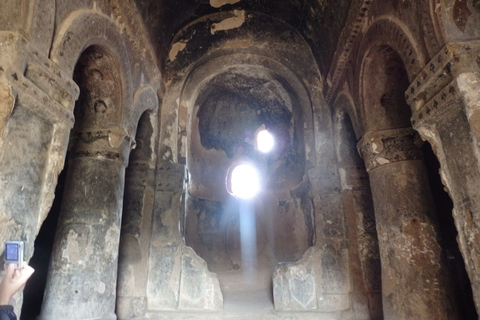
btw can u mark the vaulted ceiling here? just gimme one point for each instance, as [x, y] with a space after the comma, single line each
[319, 22]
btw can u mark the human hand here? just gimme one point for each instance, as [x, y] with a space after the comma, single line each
[13, 281]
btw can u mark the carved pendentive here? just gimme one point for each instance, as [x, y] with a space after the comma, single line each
[379, 148]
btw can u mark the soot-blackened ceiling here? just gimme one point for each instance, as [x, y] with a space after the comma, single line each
[236, 106]
[318, 21]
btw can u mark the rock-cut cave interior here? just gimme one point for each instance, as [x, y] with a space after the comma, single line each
[134, 168]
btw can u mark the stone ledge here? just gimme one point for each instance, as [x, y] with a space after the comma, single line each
[296, 285]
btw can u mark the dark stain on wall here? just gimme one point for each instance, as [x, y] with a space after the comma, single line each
[320, 22]
[461, 14]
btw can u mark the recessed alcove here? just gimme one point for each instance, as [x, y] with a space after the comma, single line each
[243, 240]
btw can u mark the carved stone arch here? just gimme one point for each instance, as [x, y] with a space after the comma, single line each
[75, 34]
[387, 31]
[185, 56]
[364, 258]
[137, 204]
[145, 118]
[303, 94]
[347, 129]
[144, 99]
[390, 42]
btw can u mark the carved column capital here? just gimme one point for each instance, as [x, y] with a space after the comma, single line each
[107, 143]
[379, 148]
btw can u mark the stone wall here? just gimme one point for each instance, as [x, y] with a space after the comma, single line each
[86, 87]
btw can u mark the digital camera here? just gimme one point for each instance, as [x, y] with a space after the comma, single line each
[14, 253]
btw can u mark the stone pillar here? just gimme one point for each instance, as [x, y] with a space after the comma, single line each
[138, 205]
[445, 102]
[414, 278]
[83, 271]
[135, 241]
[364, 256]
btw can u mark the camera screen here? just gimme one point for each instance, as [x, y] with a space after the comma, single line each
[11, 251]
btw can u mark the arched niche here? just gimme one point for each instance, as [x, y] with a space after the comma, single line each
[384, 82]
[389, 58]
[247, 96]
[346, 130]
[277, 72]
[265, 93]
[74, 35]
[196, 46]
[101, 97]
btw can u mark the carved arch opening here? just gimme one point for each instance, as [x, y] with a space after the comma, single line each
[73, 36]
[383, 83]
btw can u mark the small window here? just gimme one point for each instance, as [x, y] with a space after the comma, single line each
[265, 141]
[243, 181]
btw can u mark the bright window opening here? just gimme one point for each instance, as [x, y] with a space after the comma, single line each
[265, 141]
[245, 181]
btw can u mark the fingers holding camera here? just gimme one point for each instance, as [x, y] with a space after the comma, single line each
[13, 281]
[21, 275]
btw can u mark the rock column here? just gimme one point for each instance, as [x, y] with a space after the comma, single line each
[364, 257]
[134, 241]
[414, 278]
[83, 270]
